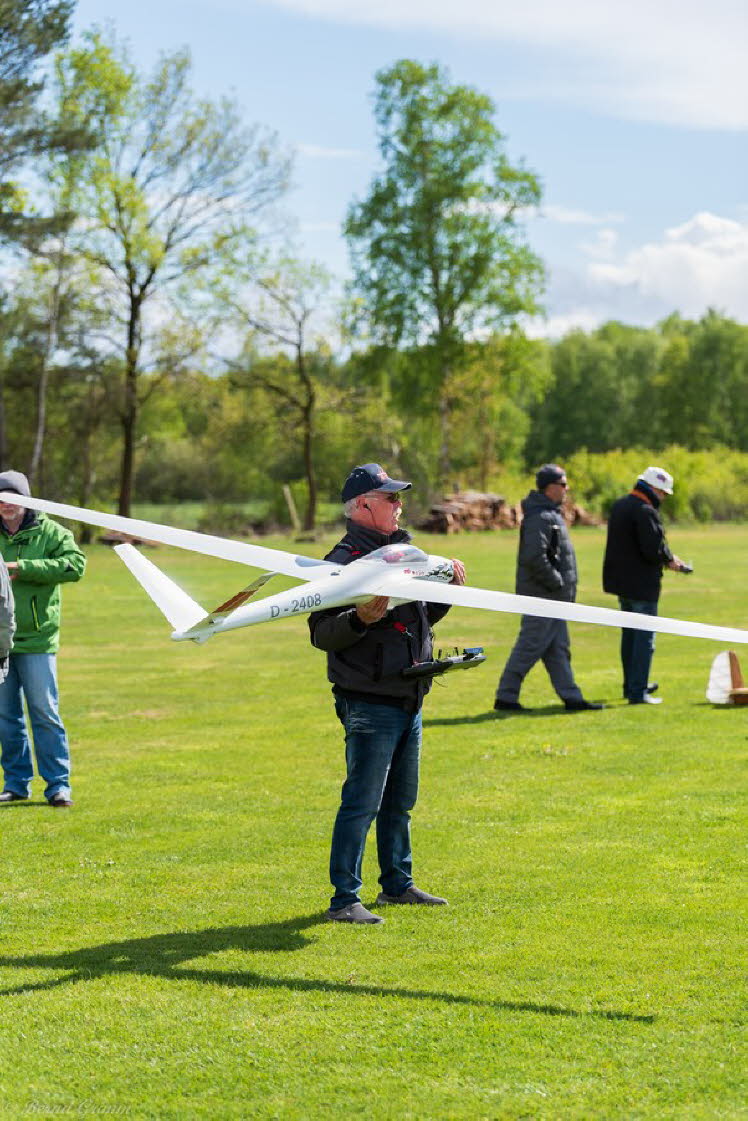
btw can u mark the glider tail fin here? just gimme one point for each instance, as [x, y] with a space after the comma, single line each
[188, 618]
[181, 611]
[726, 685]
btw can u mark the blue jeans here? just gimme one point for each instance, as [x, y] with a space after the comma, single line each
[33, 676]
[637, 649]
[382, 752]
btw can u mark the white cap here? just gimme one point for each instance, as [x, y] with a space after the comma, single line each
[658, 478]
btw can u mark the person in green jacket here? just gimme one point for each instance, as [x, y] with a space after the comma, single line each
[40, 555]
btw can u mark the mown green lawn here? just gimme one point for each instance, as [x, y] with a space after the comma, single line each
[163, 952]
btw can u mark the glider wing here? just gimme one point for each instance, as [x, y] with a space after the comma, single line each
[258, 556]
[463, 596]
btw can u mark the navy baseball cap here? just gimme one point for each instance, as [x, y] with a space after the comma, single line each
[547, 474]
[370, 477]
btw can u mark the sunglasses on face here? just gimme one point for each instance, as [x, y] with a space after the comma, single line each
[392, 497]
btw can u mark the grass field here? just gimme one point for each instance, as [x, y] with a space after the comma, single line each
[164, 953]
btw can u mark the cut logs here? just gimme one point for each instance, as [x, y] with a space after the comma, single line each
[473, 511]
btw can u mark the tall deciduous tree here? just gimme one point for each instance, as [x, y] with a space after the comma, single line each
[170, 188]
[29, 31]
[280, 306]
[437, 252]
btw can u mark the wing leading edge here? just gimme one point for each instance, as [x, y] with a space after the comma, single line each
[258, 556]
[465, 596]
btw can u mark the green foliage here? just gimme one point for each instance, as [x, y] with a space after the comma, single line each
[680, 383]
[435, 247]
[167, 955]
[170, 191]
[29, 31]
[709, 485]
[437, 254]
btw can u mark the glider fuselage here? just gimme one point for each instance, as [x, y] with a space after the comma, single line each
[344, 585]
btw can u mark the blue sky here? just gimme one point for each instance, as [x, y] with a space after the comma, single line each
[635, 116]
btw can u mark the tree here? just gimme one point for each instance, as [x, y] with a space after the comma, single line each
[171, 187]
[436, 250]
[280, 307]
[29, 31]
[701, 385]
[602, 393]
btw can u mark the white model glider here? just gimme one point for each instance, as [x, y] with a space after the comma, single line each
[726, 685]
[400, 572]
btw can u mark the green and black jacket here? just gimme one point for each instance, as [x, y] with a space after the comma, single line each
[47, 556]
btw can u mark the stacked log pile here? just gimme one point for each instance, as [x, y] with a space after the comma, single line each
[471, 511]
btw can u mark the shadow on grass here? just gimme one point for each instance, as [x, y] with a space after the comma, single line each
[26, 805]
[484, 717]
[164, 955]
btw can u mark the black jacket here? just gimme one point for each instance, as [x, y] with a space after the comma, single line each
[546, 563]
[636, 550]
[366, 662]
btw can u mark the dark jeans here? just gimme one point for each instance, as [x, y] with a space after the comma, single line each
[382, 751]
[637, 648]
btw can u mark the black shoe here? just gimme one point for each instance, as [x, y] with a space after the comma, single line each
[354, 913]
[411, 894]
[11, 796]
[508, 706]
[582, 706]
[651, 688]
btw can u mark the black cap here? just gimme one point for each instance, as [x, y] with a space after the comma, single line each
[549, 473]
[370, 477]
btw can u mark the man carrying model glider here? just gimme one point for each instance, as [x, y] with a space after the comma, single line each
[368, 647]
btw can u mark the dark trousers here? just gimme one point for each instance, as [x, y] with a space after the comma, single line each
[637, 649]
[545, 640]
[382, 752]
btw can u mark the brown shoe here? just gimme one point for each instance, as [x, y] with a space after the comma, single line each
[60, 802]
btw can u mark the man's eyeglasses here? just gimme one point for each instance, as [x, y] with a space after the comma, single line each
[388, 496]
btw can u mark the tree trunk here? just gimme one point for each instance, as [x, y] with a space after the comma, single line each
[50, 345]
[130, 410]
[129, 421]
[85, 531]
[3, 434]
[308, 434]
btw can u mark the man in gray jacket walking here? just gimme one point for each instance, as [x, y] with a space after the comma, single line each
[546, 567]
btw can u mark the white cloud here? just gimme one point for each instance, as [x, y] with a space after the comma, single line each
[604, 245]
[657, 60]
[569, 216]
[699, 264]
[320, 227]
[555, 326]
[319, 152]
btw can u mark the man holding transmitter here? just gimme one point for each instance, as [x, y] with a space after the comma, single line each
[367, 648]
[636, 552]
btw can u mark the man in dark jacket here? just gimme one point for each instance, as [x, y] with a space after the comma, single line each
[635, 554]
[40, 555]
[546, 567]
[368, 647]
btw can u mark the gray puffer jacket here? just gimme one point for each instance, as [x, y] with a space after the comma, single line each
[546, 564]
